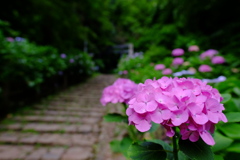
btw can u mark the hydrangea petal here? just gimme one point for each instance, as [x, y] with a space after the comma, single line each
[151, 106]
[213, 117]
[157, 117]
[139, 107]
[143, 126]
[194, 136]
[207, 138]
[200, 118]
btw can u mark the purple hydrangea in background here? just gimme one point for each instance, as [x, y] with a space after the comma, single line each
[218, 60]
[10, 39]
[183, 72]
[71, 60]
[177, 61]
[60, 73]
[167, 71]
[187, 103]
[125, 72]
[121, 91]
[193, 48]
[177, 52]
[209, 53]
[159, 67]
[19, 39]
[63, 55]
[215, 80]
[204, 68]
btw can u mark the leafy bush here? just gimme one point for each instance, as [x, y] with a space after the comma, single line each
[28, 69]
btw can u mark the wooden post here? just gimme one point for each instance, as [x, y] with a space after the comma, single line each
[130, 49]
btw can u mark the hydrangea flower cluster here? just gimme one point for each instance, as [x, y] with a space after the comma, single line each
[204, 68]
[63, 55]
[177, 52]
[218, 60]
[187, 103]
[167, 71]
[209, 53]
[193, 48]
[120, 91]
[159, 67]
[177, 61]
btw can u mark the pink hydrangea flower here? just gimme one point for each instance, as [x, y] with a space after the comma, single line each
[204, 68]
[63, 55]
[125, 72]
[209, 53]
[187, 103]
[193, 48]
[177, 52]
[218, 60]
[159, 67]
[167, 71]
[10, 39]
[120, 91]
[177, 61]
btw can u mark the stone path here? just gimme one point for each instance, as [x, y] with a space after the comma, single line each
[69, 126]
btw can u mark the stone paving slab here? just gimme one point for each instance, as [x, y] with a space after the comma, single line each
[8, 152]
[78, 153]
[63, 113]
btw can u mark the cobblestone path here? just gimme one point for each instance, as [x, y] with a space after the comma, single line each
[68, 126]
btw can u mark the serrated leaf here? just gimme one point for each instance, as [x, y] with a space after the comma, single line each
[218, 157]
[121, 146]
[235, 147]
[196, 150]
[222, 142]
[165, 146]
[146, 151]
[125, 144]
[236, 90]
[233, 116]
[237, 103]
[231, 130]
[182, 156]
[226, 97]
[115, 146]
[231, 106]
[115, 117]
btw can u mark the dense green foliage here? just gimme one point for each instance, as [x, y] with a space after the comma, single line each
[29, 71]
[100, 24]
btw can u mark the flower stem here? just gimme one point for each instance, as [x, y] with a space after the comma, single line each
[124, 108]
[175, 147]
[132, 133]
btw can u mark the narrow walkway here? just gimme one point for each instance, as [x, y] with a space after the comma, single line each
[69, 126]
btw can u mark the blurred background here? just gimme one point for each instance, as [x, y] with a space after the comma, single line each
[48, 45]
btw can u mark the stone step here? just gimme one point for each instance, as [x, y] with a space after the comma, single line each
[53, 127]
[63, 113]
[74, 107]
[28, 152]
[57, 119]
[51, 139]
